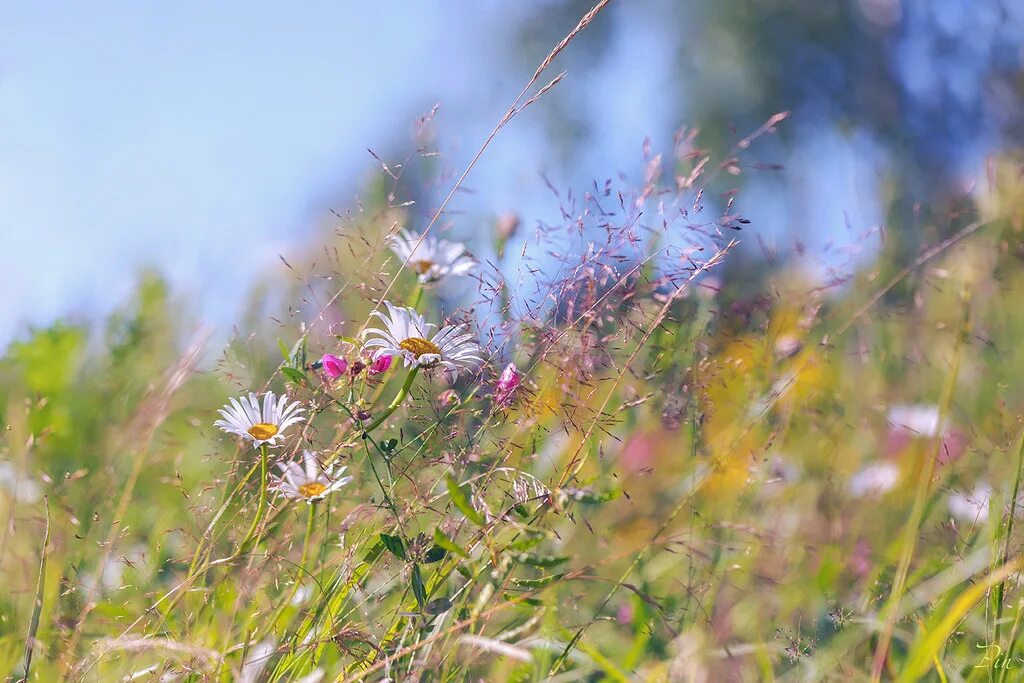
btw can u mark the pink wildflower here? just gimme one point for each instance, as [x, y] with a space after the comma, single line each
[506, 385]
[334, 367]
[380, 365]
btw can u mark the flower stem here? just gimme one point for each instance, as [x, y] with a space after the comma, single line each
[417, 295]
[402, 393]
[310, 520]
[243, 546]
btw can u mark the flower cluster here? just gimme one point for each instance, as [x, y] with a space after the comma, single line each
[263, 424]
[399, 332]
[334, 367]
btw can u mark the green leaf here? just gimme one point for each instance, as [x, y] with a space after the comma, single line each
[597, 498]
[537, 583]
[284, 351]
[373, 553]
[417, 586]
[395, 545]
[294, 375]
[435, 554]
[37, 605]
[438, 606]
[542, 562]
[460, 498]
[529, 539]
[448, 544]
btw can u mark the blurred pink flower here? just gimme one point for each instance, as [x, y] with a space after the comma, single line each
[638, 453]
[506, 385]
[860, 560]
[380, 365]
[334, 367]
[624, 614]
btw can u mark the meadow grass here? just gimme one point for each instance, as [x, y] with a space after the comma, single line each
[676, 478]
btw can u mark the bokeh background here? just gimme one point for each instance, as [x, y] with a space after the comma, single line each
[750, 453]
[184, 137]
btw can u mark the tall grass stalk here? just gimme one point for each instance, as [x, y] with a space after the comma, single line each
[922, 493]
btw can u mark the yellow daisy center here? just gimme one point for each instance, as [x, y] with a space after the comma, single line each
[422, 267]
[419, 346]
[312, 489]
[263, 431]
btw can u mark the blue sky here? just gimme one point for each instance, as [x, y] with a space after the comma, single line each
[205, 142]
[201, 142]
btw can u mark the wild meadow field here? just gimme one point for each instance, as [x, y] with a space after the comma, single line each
[595, 449]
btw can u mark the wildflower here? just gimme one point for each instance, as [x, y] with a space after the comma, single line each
[263, 424]
[433, 259]
[310, 481]
[507, 383]
[381, 364]
[405, 333]
[333, 366]
[971, 507]
[874, 479]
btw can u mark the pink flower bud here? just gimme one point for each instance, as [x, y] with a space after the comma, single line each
[506, 385]
[334, 367]
[381, 364]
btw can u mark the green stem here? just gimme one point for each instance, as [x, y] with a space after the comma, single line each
[1014, 631]
[924, 487]
[310, 521]
[1001, 587]
[193, 568]
[388, 500]
[402, 393]
[243, 546]
[417, 295]
[216, 518]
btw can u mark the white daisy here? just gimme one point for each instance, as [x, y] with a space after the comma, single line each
[433, 259]
[263, 424]
[309, 482]
[408, 335]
